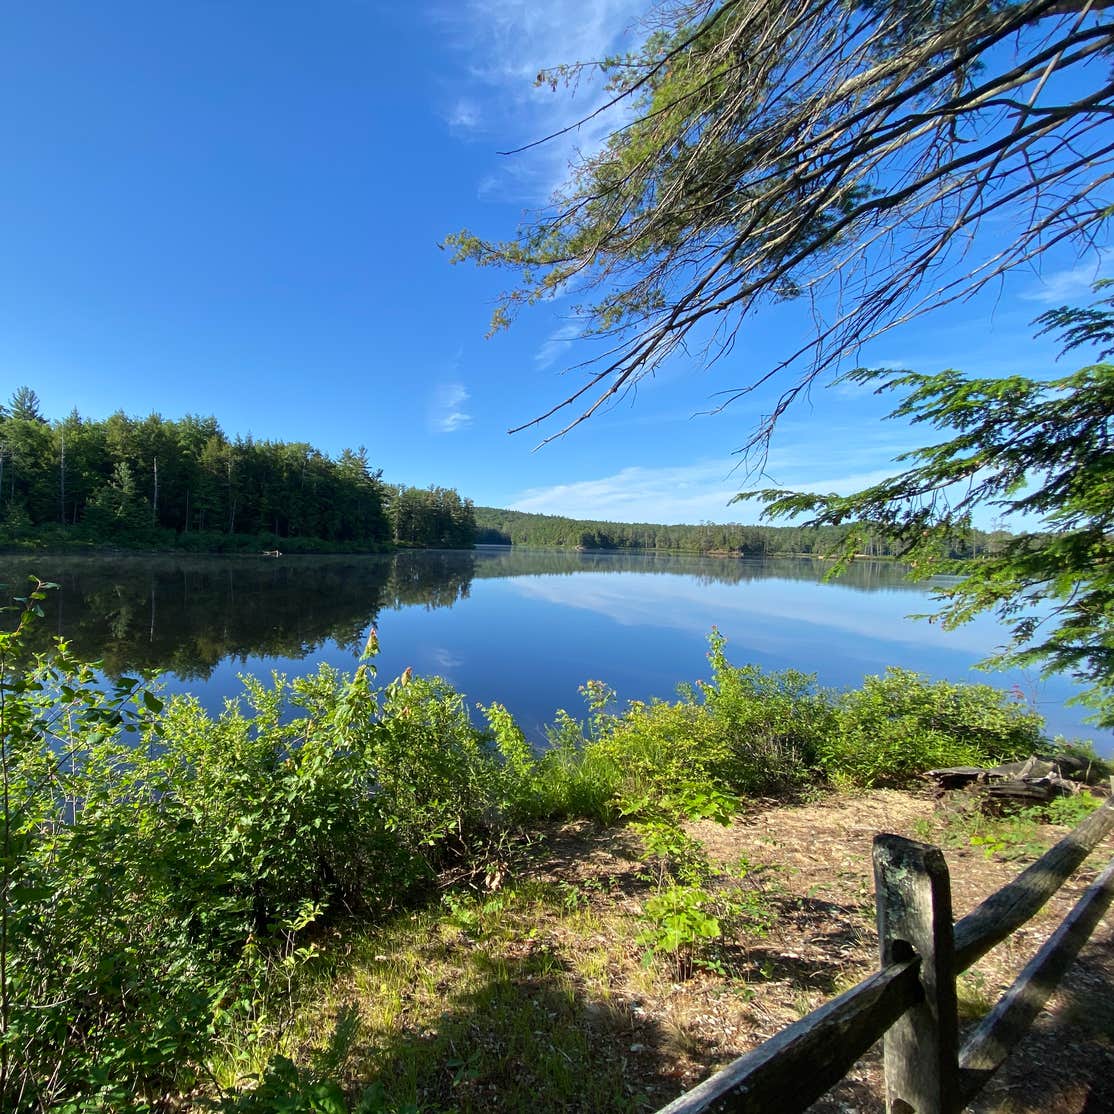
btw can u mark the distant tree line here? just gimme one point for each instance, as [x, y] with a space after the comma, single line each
[504, 527]
[430, 517]
[186, 482]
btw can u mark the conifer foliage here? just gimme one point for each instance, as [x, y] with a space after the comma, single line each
[1033, 451]
[159, 482]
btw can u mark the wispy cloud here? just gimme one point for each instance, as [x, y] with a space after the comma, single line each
[464, 115]
[1072, 284]
[778, 617]
[689, 493]
[445, 659]
[507, 44]
[845, 461]
[555, 346]
[446, 412]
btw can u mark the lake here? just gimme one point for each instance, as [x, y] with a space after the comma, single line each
[524, 627]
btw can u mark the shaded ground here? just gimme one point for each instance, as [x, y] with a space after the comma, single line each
[536, 997]
[819, 874]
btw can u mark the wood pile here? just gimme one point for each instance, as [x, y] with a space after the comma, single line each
[1036, 780]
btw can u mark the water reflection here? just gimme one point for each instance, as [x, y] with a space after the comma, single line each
[866, 576]
[186, 615]
[769, 602]
[524, 628]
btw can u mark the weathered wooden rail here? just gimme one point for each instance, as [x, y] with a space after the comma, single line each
[911, 1001]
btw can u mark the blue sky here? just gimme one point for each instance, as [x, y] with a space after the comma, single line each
[236, 208]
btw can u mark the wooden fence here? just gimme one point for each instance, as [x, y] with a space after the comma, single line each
[911, 1000]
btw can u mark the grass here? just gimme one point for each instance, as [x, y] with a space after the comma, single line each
[488, 1000]
[533, 997]
[306, 836]
[1022, 834]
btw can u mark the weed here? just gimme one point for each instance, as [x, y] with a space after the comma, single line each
[974, 1001]
[1069, 811]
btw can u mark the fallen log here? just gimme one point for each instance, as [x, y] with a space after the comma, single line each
[1037, 780]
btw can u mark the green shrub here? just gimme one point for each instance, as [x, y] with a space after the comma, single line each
[1070, 811]
[115, 931]
[694, 906]
[161, 869]
[766, 728]
[572, 778]
[898, 725]
[656, 750]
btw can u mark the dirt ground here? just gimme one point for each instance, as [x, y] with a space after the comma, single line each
[812, 863]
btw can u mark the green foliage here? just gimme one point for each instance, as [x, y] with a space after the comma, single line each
[1070, 811]
[681, 919]
[166, 875]
[750, 732]
[655, 752]
[768, 727]
[104, 986]
[163, 870]
[694, 908]
[762, 152]
[1017, 446]
[118, 506]
[573, 778]
[24, 406]
[434, 516]
[503, 527]
[898, 725]
[154, 483]
[285, 1088]
[1017, 833]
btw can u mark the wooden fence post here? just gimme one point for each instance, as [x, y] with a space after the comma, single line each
[914, 903]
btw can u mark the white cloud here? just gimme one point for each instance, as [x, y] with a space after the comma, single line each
[447, 413]
[555, 346]
[511, 41]
[845, 460]
[445, 660]
[688, 493]
[773, 615]
[1070, 285]
[507, 44]
[464, 115]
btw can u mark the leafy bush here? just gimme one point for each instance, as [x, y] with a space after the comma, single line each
[160, 867]
[112, 927]
[572, 778]
[900, 724]
[693, 908]
[163, 871]
[657, 750]
[766, 727]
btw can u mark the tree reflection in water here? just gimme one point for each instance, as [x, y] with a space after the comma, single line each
[187, 614]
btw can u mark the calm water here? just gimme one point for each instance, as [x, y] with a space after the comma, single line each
[522, 627]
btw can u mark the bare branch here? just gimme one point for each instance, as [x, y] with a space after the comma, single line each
[843, 152]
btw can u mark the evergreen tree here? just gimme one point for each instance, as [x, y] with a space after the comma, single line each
[1040, 449]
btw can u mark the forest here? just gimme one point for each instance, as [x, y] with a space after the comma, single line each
[160, 483]
[502, 527]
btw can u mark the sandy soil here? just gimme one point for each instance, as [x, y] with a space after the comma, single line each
[813, 864]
